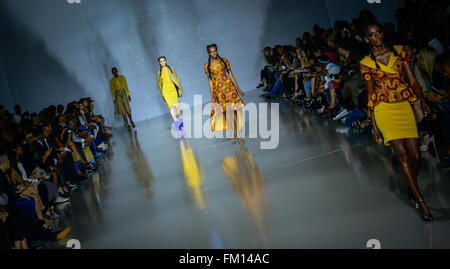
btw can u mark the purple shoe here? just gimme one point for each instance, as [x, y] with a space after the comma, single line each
[178, 124]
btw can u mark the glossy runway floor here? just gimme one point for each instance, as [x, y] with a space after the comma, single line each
[323, 187]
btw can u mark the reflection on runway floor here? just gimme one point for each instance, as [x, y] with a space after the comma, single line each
[323, 187]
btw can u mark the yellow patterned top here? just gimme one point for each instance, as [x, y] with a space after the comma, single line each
[390, 83]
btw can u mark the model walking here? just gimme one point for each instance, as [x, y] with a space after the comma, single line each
[389, 102]
[224, 95]
[121, 97]
[171, 90]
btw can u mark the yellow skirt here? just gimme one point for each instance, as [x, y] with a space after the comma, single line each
[396, 121]
[121, 105]
[170, 94]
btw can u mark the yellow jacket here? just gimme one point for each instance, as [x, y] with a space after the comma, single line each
[118, 83]
[175, 80]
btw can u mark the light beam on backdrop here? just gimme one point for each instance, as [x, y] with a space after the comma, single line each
[62, 52]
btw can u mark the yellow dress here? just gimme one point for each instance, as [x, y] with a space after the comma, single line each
[120, 93]
[392, 96]
[169, 92]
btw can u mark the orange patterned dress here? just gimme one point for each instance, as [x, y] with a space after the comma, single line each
[224, 93]
[392, 96]
[390, 82]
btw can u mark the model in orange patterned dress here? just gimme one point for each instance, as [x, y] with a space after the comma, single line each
[390, 99]
[225, 91]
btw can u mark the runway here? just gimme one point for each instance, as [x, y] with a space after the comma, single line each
[323, 187]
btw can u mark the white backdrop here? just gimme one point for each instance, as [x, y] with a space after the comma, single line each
[54, 52]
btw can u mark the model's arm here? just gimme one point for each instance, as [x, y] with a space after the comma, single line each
[370, 84]
[233, 79]
[126, 87]
[211, 87]
[416, 87]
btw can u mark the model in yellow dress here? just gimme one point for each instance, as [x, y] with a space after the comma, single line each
[170, 88]
[389, 103]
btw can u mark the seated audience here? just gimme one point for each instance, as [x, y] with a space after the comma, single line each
[44, 156]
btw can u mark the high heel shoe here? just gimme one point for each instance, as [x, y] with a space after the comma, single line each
[426, 217]
[178, 124]
[413, 200]
[233, 138]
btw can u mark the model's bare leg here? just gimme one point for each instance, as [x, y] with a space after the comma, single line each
[407, 161]
[414, 155]
[131, 120]
[178, 111]
[125, 119]
[230, 126]
[236, 127]
[173, 113]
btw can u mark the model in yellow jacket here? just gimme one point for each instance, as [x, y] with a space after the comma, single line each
[170, 88]
[121, 97]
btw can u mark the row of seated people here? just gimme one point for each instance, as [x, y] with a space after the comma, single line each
[44, 157]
